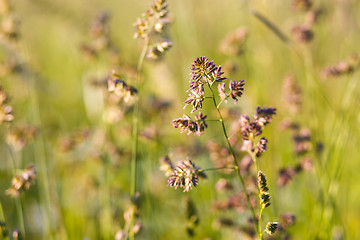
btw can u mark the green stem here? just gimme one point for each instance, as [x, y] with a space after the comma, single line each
[254, 158]
[235, 161]
[259, 226]
[135, 133]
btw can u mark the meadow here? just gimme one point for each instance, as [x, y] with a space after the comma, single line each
[179, 119]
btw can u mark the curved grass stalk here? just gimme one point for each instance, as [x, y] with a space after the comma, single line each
[236, 166]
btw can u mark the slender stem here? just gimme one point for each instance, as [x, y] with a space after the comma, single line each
[213, 120]
[222, 100]
[135, 133]
[259, 226]
[254, 158]
[235, 161]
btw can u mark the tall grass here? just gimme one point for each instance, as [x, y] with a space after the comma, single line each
[97, 156]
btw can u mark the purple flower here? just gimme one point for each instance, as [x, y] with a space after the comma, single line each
[264, 115]
[236, 89]
[222, 93]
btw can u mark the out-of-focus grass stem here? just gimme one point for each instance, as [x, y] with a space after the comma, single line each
[135, 134]
[18, 203]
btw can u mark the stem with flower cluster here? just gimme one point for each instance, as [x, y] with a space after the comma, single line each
[135, 133]
[235, 161]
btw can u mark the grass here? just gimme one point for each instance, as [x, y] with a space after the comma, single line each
[84, 192]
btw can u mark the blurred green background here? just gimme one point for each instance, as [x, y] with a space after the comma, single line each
[83, 192]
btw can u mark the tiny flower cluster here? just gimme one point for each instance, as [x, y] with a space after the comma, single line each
[19, 136]
[264, 194]
[343, 67]
[203, 72]
[186, 175]
[302, 33]
[251, 129]
[6, 112]
[271, 227]
[154, 21]
[99, 34]
[71, 141]
[236, 90]
[9, 24]
[120, 88]
[302, 148]
[187, 124]
[158, 49]
[22, 181]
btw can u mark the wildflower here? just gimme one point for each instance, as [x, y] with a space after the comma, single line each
[271, 227]
[19, 136]
[200, 119]
[6, 112]
[341, 68]
[201, 67]
[186, 124]
[22, 181]
[243, 121]
[186, 175]
[203, 70]
[262, 182]
[302, 33]
[222, 93]
[195, 99]
[261, 146]
[216, 75]
[236, 89]
[264, 115]
[264, 195]
[154, 19]
[158, 49]
[251, 131]
[120, 88]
